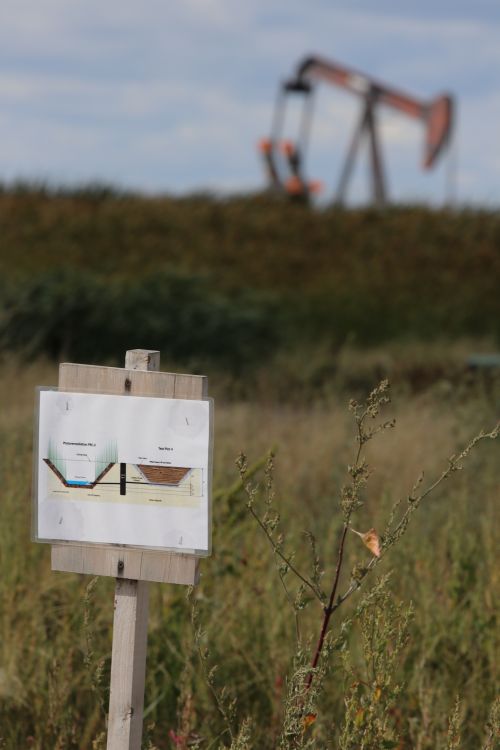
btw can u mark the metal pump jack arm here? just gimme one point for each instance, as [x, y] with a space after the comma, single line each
[367, 124]
[286, 158]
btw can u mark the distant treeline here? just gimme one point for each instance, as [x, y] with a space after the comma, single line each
[88, 273]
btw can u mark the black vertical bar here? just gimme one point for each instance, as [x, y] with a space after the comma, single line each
[123, 479]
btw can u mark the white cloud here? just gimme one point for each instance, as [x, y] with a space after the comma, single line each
[175, 95]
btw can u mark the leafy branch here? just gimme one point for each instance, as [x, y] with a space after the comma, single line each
[270, 521]
[351, 499]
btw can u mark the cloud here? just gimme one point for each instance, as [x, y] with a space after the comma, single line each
[175, 95]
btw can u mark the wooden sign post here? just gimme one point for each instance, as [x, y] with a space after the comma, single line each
[132, 568]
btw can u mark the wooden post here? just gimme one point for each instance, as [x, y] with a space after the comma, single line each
[128, 665]
[132, 568]
[130, 632]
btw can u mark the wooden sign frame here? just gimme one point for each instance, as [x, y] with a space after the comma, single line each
[132, 568]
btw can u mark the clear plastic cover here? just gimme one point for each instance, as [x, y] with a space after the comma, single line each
[127, 470]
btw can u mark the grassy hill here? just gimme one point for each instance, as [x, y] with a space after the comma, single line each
[235, 282]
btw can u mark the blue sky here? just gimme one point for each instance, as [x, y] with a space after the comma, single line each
[173, 95]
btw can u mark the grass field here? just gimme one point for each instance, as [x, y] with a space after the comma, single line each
[55, 635]
[290, 313]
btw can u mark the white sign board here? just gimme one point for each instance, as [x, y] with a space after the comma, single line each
[125, 470]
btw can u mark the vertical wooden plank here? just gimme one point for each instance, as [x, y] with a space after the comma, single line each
[128, 665]
[142, 359]
[130, 634]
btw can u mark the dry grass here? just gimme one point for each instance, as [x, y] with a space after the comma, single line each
[446, 566]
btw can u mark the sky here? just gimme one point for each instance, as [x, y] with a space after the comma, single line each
[172, 96]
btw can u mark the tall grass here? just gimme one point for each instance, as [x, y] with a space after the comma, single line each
[291, 311]
[55, 639]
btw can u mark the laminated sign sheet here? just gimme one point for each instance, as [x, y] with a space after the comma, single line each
[123, 470]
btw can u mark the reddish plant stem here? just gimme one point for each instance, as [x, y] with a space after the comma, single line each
[329, 609]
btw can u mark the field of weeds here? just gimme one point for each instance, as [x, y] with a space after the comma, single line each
[290, 313]
[421, 634]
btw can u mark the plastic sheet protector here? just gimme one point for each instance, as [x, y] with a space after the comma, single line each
[125, 470]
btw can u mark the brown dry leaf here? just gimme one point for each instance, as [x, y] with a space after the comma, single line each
[370, 540]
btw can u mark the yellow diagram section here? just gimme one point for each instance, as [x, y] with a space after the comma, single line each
[144, 485]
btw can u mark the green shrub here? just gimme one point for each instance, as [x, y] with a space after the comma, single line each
[75, 314]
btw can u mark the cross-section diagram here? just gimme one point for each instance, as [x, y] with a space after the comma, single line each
[120, 482]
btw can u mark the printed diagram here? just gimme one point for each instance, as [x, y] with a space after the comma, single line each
[82, 467]
[94, 474]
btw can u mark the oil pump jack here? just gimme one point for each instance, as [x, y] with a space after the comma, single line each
[284, 159]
